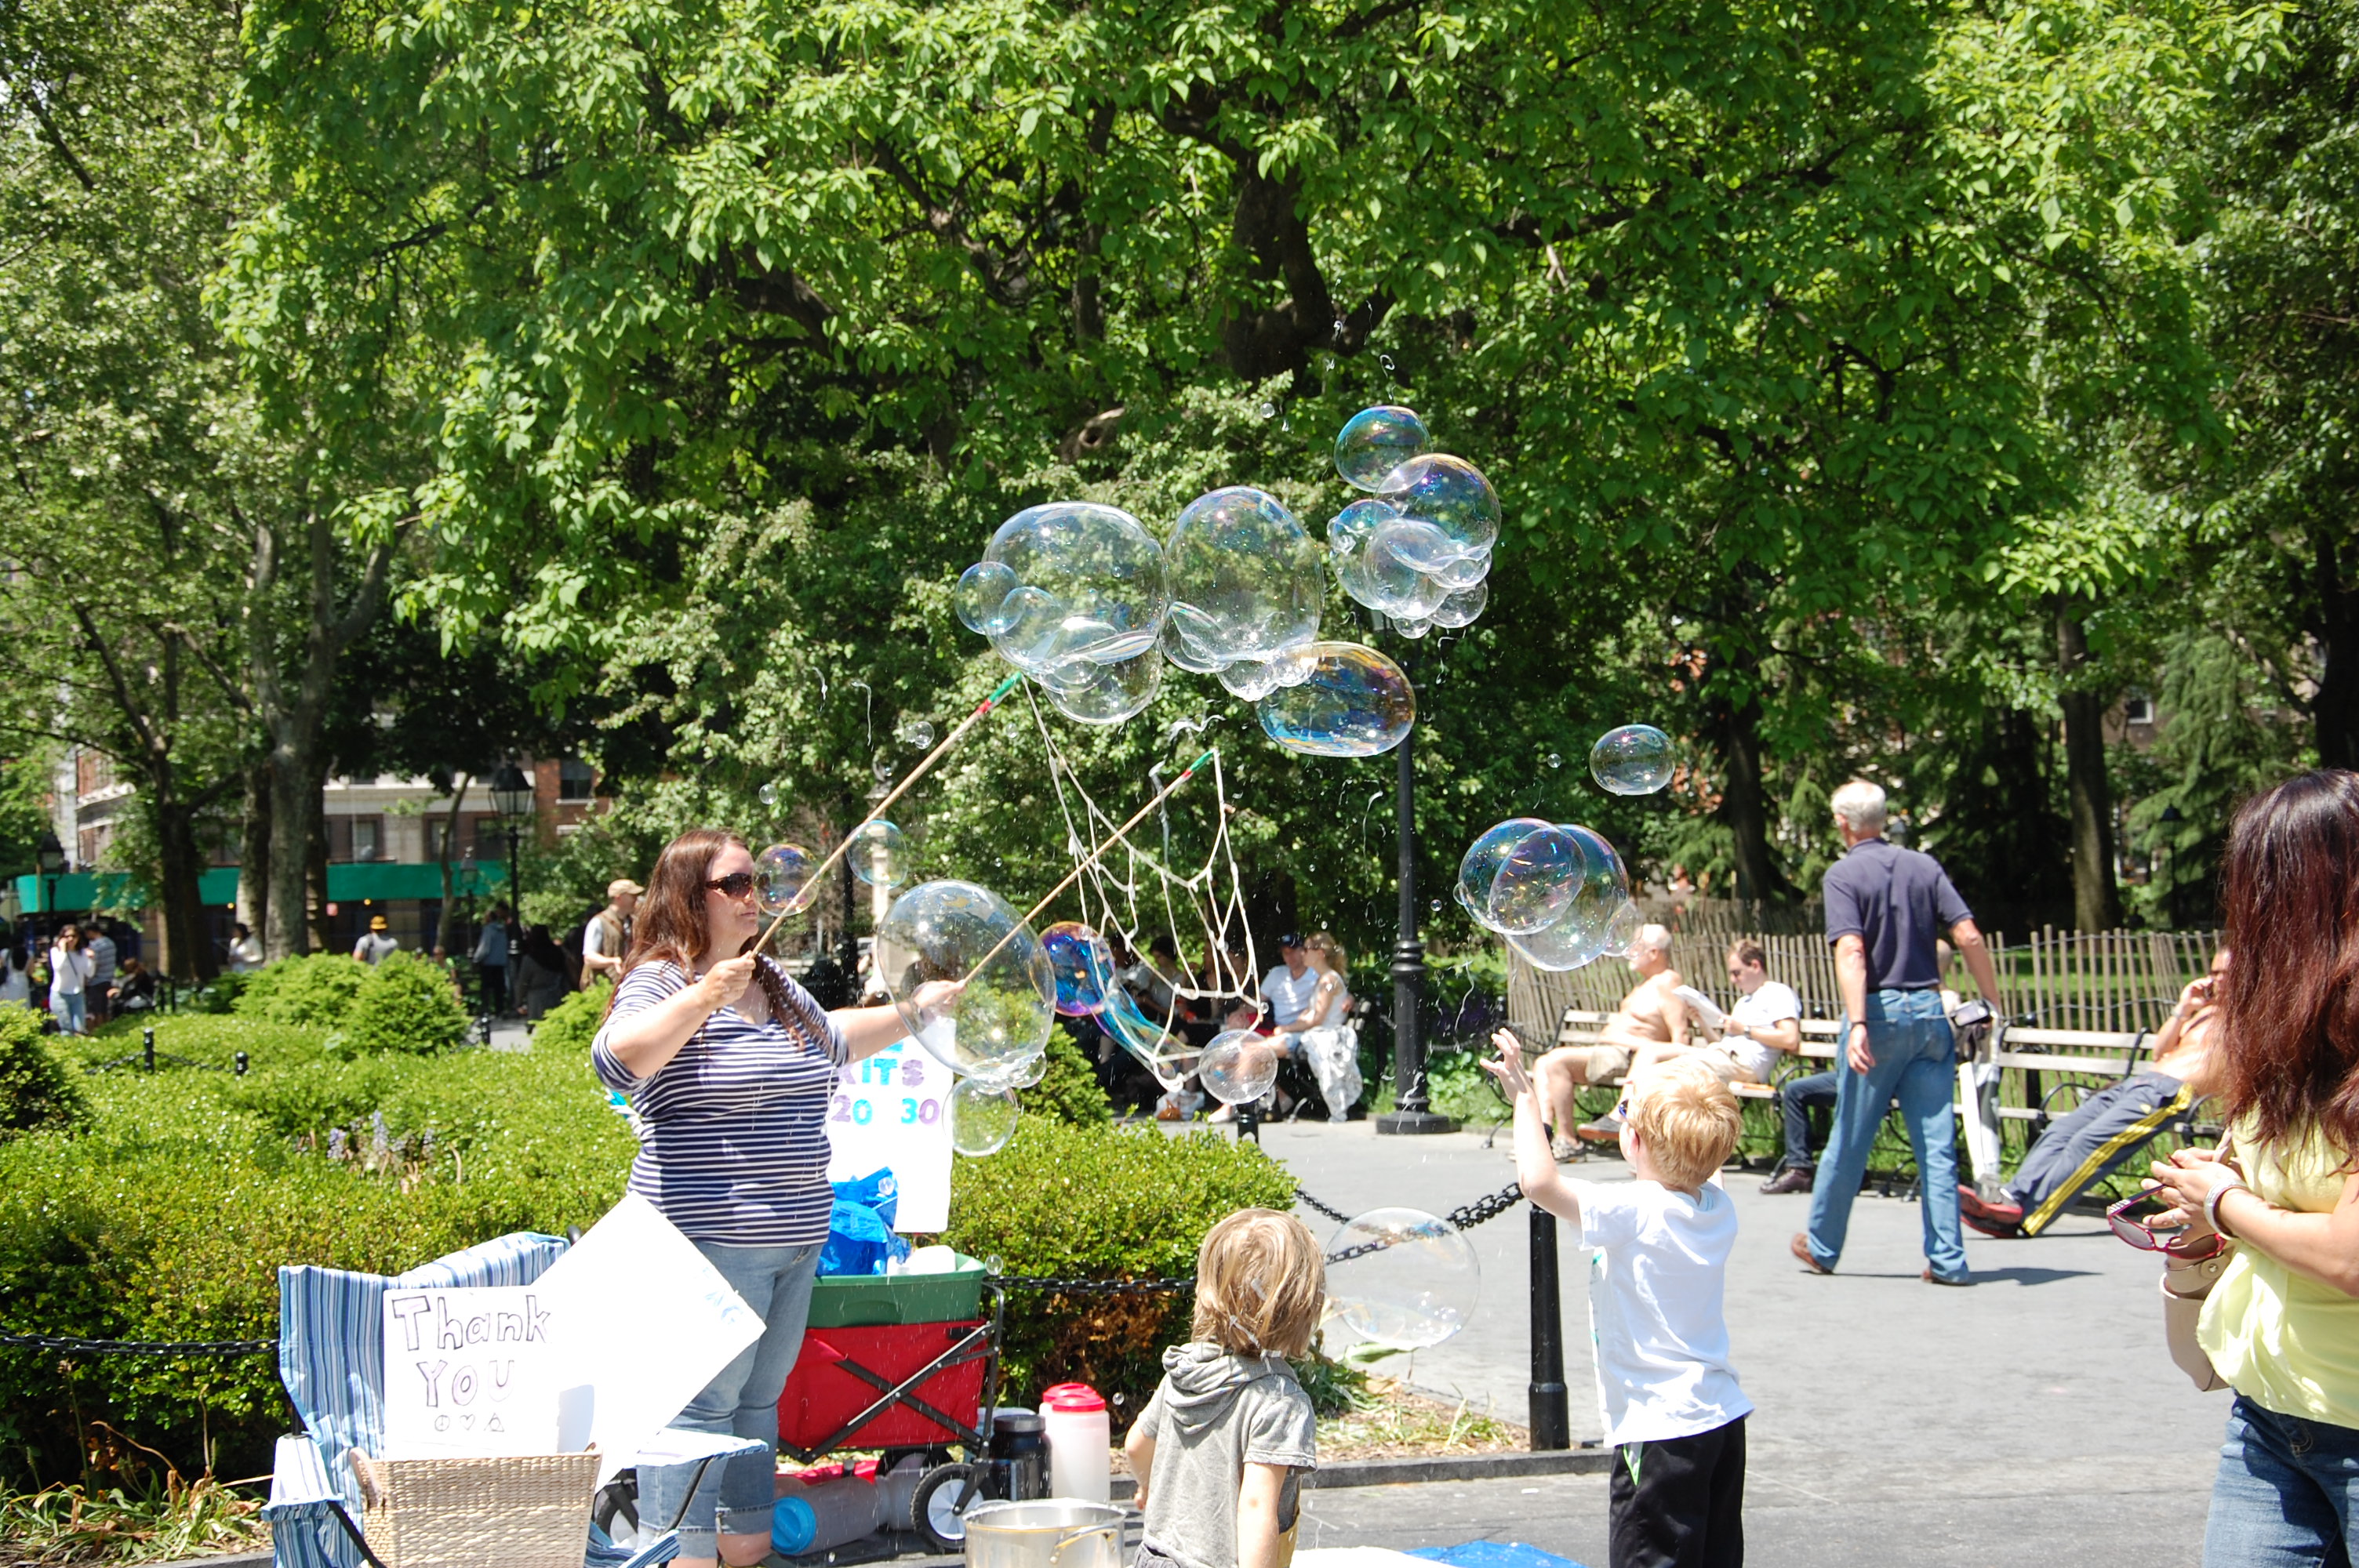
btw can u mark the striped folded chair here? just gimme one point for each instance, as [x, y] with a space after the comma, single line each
[331, 1361]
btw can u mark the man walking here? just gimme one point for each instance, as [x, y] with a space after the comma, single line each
[1887, 908]
[608, 936]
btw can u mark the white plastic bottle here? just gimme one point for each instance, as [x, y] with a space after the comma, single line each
[1081, 1441]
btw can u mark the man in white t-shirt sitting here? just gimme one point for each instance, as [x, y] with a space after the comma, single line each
[1767, 1019]
[1288, 988]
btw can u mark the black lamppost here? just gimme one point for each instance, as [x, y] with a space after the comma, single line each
[50, 856]
[1410, 1113]
[512, 798]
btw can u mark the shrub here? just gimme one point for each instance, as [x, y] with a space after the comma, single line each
[1068, 1090]
[315, 990]
[39, 1088]
[219, 994]
[573, 1023]
[406, 1003]
[1106, 1204]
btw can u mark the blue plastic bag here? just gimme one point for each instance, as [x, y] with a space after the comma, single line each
[860, 1238]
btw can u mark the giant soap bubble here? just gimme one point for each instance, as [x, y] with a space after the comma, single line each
[1402, 1278]
[1353, 703]
[1159, 1049]
[1083, 965]
[1238, 1065]
[1452, 494]
[1632, 760]
[1245, 579]
[1104, 693]
[982, 1117]
[878, 855]
[981, 597]
[782, 878]
[1535, 882]
[1094, 585]
[1375, 441]
[1479, 866]
[1002, 1014]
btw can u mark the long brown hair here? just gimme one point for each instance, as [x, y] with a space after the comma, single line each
[2289, 1002]
[670, 925]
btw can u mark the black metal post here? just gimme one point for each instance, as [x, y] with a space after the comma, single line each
[1551, 1414]
[1410, 1113]
[242, 1062]
[516, 875]
[147, 1045]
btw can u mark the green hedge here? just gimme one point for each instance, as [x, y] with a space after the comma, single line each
[39, 1088]
[406, 1004]
[314, 991]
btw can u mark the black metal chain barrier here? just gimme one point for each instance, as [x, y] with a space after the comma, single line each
[140, 1346]
[1307, 1201]
[1062, 1287]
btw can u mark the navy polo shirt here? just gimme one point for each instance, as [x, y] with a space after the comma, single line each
[1899, 902]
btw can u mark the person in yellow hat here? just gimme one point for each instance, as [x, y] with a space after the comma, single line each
[374, 946]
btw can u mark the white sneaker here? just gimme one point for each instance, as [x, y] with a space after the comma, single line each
[1226, 1113]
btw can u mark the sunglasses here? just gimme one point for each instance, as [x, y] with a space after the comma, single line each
[2131, 1220]
[737, 884]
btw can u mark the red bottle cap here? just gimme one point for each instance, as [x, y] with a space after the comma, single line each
[1072, 1398]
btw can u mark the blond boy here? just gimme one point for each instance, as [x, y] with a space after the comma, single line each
[1659, 1246]
[1220, 1450]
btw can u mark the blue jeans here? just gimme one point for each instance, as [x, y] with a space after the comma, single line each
[69, 1010]
[743, 1400]
[1796, 1099]
[2285, 1493]
[1915, 1063]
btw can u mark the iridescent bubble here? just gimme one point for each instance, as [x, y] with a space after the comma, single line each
[1083, 965]
[1251, 680]
[1632, 760]
[878, 855]
[1386, 573]
[1574, 942]
[1479, 866]
[1555, 759]
[1237, 1066]
[1355, 702]
[1623, 929]
[767, 795]
[1268, 411]
[1463, 606]
[1245, 579]
[1103, 578]
[1403, 1278]
[1536, 881]
[1150, 1039]
[981, 597]
[915, 733]
[1448, 493]
[1375, 441]
[982, 1117]
[1111, 693]
[782, 878]
[1348, 530]
[957, 930]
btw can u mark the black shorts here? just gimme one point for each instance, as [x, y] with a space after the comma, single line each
[1680, 1503]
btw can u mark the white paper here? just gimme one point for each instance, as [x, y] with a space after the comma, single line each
[892, 1111]
[472, 1371]
[642, 1324]
[1707, 1010]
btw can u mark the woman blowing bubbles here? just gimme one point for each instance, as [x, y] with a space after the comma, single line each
[730, 1065]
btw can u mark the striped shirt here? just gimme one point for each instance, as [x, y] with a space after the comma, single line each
[733, 1136]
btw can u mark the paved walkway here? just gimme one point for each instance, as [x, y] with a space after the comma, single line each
[2033, 1419]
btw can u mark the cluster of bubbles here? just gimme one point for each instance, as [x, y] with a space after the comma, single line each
[1634, 759]
[1084, 985]
[1402, 1278]
[1557, 891]
[1417, 549]
[878, 855]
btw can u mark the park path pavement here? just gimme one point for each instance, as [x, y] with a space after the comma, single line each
[2033, 1419]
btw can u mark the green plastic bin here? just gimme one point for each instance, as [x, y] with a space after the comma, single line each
[864, 1301]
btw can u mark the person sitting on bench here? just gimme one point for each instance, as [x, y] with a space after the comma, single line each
[2088, 1142]
[1649, 1015]
[1766, 1020]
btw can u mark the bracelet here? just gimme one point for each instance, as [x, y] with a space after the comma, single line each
[2212, 1206]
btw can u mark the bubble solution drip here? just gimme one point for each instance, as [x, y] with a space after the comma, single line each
[1632, 760]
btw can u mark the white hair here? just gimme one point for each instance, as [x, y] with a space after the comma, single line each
[1860, 805]
[1652, 939]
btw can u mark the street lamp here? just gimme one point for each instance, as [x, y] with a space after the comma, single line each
[1410, 1113]
[50, 856]
[512, 798]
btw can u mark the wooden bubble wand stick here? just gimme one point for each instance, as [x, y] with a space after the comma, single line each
[931, 758]
[1086, 861]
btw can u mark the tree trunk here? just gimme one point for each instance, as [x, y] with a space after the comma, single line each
[188, 950]
[254, 853]
[2334, 620]
[1744, 798]
[2096, 905]
[450, 886]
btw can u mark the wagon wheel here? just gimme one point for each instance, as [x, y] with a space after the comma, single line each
[939, 1506]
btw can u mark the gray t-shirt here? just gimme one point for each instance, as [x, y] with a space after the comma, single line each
[1214, 1415]
[1899, 902]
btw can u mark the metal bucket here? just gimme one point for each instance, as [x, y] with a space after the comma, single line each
[1056, 1533]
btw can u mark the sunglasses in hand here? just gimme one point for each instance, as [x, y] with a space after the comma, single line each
[2134, 1220]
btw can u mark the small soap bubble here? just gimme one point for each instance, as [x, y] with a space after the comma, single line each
[1106, 694]
[915, 733]
[1413, 627]
[1555, 759]
[878, 855]
[1452, 494]
[1437, 906]
[767, 795]
[1268, 411]
[1463, 607]
[982, 1117]
[782, 878]
[1005, 1006]
[981, 597]
[1084, 964]
[1632, 760]
[1404, 1278]
[1375, 441]
[1465, 571]
[1353, 702]
[1237, 1066]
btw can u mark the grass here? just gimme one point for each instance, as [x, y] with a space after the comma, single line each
[1389, 1420]
[66, 1525]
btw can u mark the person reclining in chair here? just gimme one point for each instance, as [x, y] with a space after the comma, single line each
[2087, 1143]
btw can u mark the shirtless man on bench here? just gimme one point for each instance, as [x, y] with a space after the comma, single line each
[1649, 1015]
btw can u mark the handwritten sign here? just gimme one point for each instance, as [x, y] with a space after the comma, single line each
[474, 1371]
[893, 1110]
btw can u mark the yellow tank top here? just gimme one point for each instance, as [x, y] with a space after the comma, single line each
[2284, 1341]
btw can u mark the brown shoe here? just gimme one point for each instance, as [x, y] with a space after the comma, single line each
[1931, 1277]
[1808, 1258]
[1792, 1179]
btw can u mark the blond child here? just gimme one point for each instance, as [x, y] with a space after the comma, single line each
[1220, 1450]
[1659, 1246]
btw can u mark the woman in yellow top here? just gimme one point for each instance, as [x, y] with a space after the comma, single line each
[2281, 1317]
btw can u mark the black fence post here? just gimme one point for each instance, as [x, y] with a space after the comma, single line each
[240, 1068]
[147, 1043]
[1551, 1416]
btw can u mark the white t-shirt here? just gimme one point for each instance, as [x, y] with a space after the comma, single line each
[1774, 1002]
[1289, 997]
[1657, 1275]
[593, 940]
[69, 972]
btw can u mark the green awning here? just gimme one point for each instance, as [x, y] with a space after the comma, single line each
[360, 882]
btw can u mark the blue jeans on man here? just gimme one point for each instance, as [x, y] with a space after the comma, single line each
[1916, 1064]
[1796, 1097]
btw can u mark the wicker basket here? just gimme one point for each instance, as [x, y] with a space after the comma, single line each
[526, 1511]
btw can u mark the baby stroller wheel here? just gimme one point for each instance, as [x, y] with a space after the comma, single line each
[939, 1506]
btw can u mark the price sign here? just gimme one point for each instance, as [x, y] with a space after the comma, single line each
[893, 1110]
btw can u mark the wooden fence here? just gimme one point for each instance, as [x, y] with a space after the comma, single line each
[2116, 980]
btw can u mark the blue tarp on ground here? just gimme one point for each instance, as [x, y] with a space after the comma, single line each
[1493, 1555]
